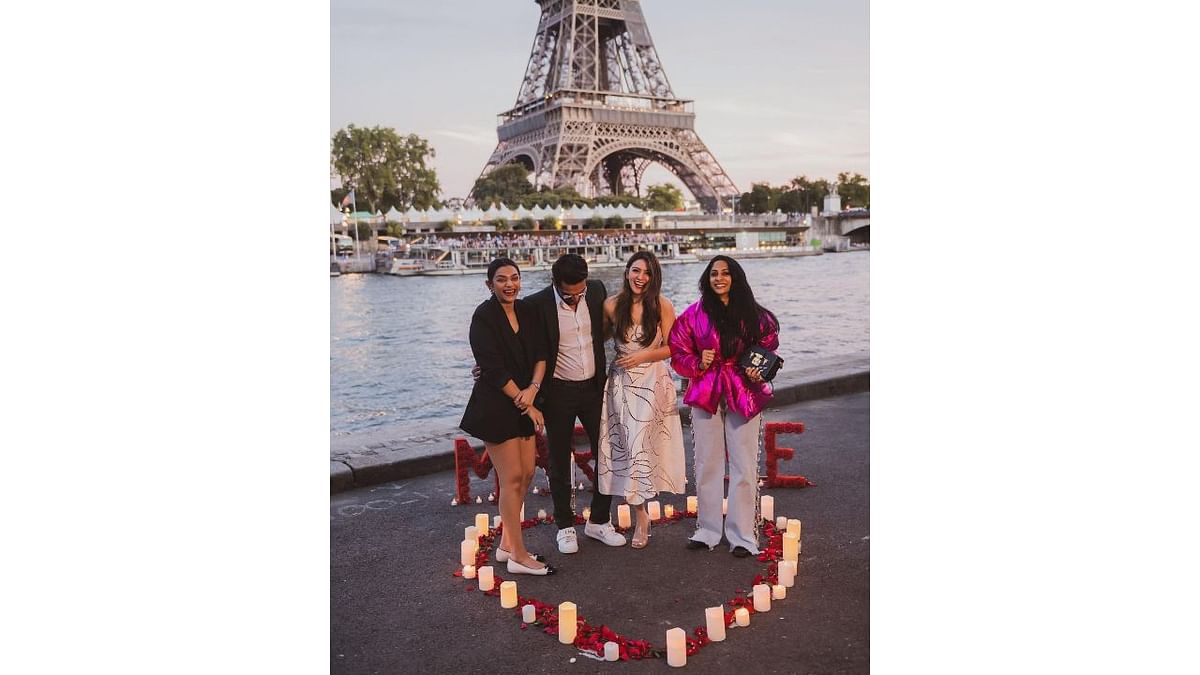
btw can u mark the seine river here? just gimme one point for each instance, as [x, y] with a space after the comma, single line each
[399, 355]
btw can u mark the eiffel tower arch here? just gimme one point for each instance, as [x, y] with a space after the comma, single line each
[596, 109]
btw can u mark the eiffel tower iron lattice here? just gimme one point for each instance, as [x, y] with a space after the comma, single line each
[596, 109]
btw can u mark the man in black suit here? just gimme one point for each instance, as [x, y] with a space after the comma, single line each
[572, 312]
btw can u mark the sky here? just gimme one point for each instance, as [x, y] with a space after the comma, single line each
[781, 87]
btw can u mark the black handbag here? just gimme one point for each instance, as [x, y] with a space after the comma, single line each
[766, 361]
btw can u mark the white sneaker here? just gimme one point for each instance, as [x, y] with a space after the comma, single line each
[604, 533]
[567, 543]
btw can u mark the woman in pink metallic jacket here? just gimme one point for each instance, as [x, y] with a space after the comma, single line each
[727, 401]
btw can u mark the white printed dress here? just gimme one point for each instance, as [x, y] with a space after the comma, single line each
[641, 440]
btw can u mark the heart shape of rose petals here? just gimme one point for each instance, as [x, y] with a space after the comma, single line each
[590, 638]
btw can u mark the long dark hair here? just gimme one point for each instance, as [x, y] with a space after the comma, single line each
[740, 323]
[650, 306]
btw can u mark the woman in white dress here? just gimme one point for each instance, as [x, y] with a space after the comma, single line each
[641, 440]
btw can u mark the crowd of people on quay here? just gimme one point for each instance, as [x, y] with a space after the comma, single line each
[491, 240]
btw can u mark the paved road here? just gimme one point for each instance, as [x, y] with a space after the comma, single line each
[396, 608]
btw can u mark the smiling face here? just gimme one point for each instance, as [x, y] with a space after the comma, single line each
[639, 277]
[505, 284]
[720, 280]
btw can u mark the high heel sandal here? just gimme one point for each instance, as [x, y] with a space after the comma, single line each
[634, 542]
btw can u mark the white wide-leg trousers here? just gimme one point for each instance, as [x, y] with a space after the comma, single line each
[713, 435]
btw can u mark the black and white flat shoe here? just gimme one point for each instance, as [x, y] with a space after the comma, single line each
[515, 567]
[503, 556]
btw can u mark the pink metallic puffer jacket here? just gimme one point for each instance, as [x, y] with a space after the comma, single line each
[693, 333]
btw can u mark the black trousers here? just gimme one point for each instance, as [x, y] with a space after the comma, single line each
[564, 402]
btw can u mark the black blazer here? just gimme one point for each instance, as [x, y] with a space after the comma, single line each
[547, 309]
[502, 355]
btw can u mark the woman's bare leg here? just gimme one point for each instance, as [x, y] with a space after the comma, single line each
[506, 458]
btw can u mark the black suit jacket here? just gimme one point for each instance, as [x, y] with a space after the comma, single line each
[547, 309]
[502, 356]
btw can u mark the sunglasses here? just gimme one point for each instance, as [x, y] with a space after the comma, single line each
[571, 298]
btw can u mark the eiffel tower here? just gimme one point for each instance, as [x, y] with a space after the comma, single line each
[596, 109]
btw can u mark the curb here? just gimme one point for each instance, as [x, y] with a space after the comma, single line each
[418, 460]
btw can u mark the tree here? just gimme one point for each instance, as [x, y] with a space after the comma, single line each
[384, 168]
[501, 224]
[551, 223]
[525, 223]
[855, 190]
[508, 184]
[663, 197]
[594, 223]
[762, 198]
[614, 222]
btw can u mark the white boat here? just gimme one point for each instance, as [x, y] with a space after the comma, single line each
[705, 254]
[407, 267]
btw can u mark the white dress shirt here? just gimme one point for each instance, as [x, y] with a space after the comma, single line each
[576, 361]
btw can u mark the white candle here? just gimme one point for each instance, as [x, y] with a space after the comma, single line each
[653, 508]
[468, 571]
[508, 594]
[612, 651]
[793, 527]
[762, 598]
[691, 503]
[714, 619]
[495, 522]
[676, 648]
[481, 525]
[541, 514]
[471, 533]
[529, 614]
[791, 547]
[725, 506]
[587, 512]
[778, 592]
[623, 515]
[468, 549]
[486, 579]
[781, 523]
[568, 622]
[787, 573]
[668, 511]
[742, 615]
[768, 507]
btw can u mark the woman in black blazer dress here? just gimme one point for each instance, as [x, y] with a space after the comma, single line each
[501, 411]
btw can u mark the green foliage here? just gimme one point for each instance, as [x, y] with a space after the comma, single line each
[501, 224]
[614, 222]
[383, 168]
[365, 231]
[663, 197]
[815, 243]
[396, 230]
[762, 198]
[446, 226]
[594, 223]
[855, 190]
[525, 223]
[508, 184]
[550, 223]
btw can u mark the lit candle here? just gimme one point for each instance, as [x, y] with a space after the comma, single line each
[623, 515]
[725, 506]
[668, 511]
[486, 579]
[541, 514]
[612, 651]
[778, 592]
[781, 523]
[529, 614]
[787, 573]
[762, 598]
[742, 615]
[791, 547]
[468, 549]
[508, 594]
[468, 571]
[654, 510]
[495, 522]
[691, 503]
[567, 622]
[471, 533]
[714, 619]
[676, 648]
[481, 525]
[587, 512]
[768, 507]
[793, 527]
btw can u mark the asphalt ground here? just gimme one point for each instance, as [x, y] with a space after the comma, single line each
[395, 606]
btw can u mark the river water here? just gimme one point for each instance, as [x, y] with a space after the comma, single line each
[399, 356]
